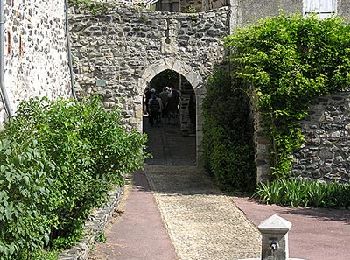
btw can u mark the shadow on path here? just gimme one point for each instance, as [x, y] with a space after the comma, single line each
[322, 214]
[168, 146]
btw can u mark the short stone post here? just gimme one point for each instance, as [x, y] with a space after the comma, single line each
[274, 232]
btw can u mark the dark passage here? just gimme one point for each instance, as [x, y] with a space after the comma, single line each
[168, 146]
[170, 106]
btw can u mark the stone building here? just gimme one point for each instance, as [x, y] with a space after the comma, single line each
[35, 53]
[119, 53]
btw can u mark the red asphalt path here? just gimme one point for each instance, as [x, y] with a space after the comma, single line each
[140, 232]
[316, 234]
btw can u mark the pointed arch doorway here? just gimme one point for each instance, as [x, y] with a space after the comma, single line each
[171, 133]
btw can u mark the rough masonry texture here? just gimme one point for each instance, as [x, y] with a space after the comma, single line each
[35, 51]
[325, 154]
[118, 53]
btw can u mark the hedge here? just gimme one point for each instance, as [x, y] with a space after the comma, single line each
[228, 134]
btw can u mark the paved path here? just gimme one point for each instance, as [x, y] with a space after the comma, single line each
[316, 234]
[202, 223]
[168, 146]
[138, 233]
[186, 217]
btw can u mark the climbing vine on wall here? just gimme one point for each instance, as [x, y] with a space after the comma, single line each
[228, 134]
[290, 60]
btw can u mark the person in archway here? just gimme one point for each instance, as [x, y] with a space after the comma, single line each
[155, 108]
[164, 97]
[173, 105]
[147, 96]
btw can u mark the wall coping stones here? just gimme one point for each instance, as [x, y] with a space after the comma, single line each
[95, 224]
[79, 12]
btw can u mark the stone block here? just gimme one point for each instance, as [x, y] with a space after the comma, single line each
[274, 232]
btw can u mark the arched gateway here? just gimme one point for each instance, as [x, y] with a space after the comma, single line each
[118, 53]
[192, 77]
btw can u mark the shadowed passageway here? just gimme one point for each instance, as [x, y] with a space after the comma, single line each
[168, 146]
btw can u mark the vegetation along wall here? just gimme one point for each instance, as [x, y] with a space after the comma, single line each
[35, 51]
[302, 124]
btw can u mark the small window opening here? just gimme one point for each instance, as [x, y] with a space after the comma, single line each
[324, 8]
[9, 43]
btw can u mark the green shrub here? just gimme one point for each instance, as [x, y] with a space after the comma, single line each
[59, 160]
[227, 135]
[289, 61]
[25, 193]
[94, 7]
[299, 192]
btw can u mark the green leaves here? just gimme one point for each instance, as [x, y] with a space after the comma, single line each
[289, 61]
[95, 8]
[227, 140]
[58, 160]
[304, 193]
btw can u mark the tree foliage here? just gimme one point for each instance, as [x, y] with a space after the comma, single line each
[227, 134]
[290, 60]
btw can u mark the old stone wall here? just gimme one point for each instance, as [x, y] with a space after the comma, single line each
[343, 7]
[325, 154]
[35, 50]
[186, 6]
[252, 10]
[117, 54]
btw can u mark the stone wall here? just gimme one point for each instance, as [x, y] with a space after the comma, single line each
[117, 54]
[187, 6]
[253, 10]
[344, 9]
[35, 50]
[325, 154]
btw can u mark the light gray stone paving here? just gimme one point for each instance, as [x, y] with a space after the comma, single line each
[202, 222]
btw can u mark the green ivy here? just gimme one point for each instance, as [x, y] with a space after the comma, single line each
[289, 61]
[228, 134]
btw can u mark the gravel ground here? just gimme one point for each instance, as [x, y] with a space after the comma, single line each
[202, 222]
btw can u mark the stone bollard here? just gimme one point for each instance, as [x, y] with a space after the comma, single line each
[274, 231]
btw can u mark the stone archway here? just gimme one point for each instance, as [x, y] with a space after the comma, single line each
[134, 46]
[172, 64]
[192, 77]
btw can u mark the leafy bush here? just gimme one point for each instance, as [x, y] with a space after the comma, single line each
[227, 134]
[95, 8]
[290, 60]
[58, 160]
[299, 192]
